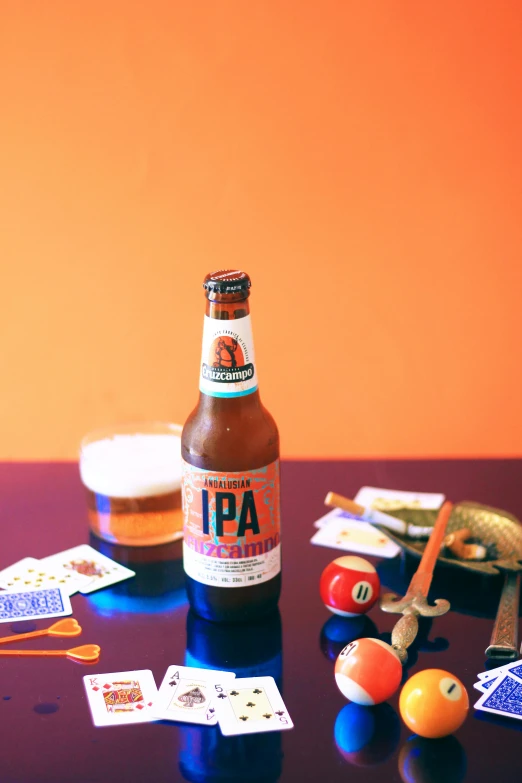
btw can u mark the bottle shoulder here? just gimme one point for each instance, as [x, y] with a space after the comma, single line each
[223, 435]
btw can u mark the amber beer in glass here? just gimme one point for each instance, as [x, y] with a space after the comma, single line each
[132, 477]
[230, 452]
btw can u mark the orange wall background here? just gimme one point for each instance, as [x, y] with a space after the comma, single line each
[363, 161]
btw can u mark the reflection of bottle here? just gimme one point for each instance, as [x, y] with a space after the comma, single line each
[249, 651]
[230, 450]
[432, 760]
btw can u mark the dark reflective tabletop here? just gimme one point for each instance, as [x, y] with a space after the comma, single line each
[46, 728]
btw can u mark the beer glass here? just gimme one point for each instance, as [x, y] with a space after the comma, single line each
[132, 476]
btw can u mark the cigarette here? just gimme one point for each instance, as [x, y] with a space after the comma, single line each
[455, 543]
[379, 517]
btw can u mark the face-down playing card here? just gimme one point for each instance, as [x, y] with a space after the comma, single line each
[503, 698]
[483, 686]
[190, 694]
[515, 668]
[34, 604]
[101, 571]
[121, 698]
[30, 573]
[252, 705]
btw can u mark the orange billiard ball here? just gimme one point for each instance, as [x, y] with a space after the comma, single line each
[368, 671]
[433, 703]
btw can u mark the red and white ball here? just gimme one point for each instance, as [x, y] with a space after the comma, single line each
[368, 671]
[349, 586]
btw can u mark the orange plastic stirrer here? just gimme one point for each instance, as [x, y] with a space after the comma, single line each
[67, 627]
[87, 653]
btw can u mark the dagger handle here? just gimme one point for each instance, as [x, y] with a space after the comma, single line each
[403, 634]
[504, 639]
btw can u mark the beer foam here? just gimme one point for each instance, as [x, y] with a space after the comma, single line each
[132, 466]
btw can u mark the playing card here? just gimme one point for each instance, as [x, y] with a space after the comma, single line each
[250, 706]
[514, 668]
[34, 604]
[394, 499]
[503, 698]
[121, 698]
[189, 694]
[31, 573]
[88, 562]
[342, 531]
[336, 513]
[484, 686]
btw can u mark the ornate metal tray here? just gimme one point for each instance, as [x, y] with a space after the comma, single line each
[499, 531]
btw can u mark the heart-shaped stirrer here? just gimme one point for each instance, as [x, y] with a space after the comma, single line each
[67, 627]
[87, 653]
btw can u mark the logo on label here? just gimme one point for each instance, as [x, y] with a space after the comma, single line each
[227, 367]
[227, 352]
[227, 362]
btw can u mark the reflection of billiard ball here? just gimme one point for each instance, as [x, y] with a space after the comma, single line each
[349, 586]
[368, 671]
[433, 703]
[338, 631]
[432, 760]
[367, 735]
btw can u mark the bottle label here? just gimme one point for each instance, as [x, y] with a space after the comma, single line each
[227, 361]
[231, 525]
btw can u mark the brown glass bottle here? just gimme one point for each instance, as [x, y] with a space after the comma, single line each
[230, 448]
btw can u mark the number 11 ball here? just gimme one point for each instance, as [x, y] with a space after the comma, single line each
[349, 586]
[368, 671]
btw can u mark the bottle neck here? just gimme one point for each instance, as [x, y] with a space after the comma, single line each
[227, 311]
[228, 369]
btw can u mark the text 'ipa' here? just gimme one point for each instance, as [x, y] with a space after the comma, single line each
[230, 485]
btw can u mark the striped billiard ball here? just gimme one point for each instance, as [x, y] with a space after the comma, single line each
[368, 671]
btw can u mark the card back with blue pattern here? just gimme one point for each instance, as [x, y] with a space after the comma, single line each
[33, 604]
[503, 698]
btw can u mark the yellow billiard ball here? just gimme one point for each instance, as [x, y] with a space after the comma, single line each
[433, 703]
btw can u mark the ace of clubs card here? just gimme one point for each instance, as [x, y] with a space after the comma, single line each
[251, 706]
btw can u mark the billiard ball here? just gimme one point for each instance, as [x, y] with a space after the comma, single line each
[349, 586]
[365, 736]
[433, 703]
[368, 671]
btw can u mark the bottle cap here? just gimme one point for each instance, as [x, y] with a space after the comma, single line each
[227, 281]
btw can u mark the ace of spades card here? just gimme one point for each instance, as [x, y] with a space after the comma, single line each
[251, 706]
[189, 694]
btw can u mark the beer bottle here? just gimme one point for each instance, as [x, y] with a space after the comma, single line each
[230, 451]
